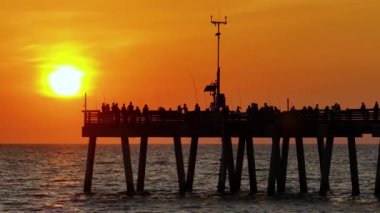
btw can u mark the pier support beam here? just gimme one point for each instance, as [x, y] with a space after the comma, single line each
[230, 166]
[325, 186]
[321, 148]
[274, 165]
[180, 166]
[127, 166]
[90, 165]
[301, 165]
[142, 164]
[191, 165]
[222, 168]
[227, 163]
[353, 166]
[239, 160]
[281, 180]
[251, 165]
[377, 183]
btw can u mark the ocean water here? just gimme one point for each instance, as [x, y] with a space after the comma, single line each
[50, 178]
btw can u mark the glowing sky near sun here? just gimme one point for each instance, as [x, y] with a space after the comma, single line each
[164, 53]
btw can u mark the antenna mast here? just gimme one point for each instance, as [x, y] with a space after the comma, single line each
[214, 88]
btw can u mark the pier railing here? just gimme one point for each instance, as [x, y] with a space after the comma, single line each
[92, 117]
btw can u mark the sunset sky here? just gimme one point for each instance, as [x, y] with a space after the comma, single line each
[164, 53]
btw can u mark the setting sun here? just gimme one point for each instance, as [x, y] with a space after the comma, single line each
[66, 81]
[65, 70]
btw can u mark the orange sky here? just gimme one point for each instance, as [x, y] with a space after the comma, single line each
[163, 53]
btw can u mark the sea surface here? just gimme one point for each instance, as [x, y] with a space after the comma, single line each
[50, 178]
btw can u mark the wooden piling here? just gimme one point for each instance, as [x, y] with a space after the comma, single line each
[239, 160]
[281, 181]
[127, 166]
[325, 186]
[230, 166]
[301, 165]
[329, 149]
[142, 163]
[89, 165]
[377, 183]
[321, 148]
[222, 167]
[274, 165]
[353, 166]
[191, 165]
[179, 163]
[251, 165]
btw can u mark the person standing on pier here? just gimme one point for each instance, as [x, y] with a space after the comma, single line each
[116, 113]
[179, 109]
[376, 111]
[138, 114]
[363, 111]
[130, 109]
[179, 112]
[124, 114]
[146, 113]
[326, 113]
[197, 108]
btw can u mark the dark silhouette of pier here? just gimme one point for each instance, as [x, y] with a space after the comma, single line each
[219, 122]
[323, 125]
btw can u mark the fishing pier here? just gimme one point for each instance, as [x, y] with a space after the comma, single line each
[218, 122]
[323, 126]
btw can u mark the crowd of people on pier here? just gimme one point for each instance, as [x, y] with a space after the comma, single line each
[130, 114]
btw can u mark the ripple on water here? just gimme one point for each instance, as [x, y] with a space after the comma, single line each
[50, 178]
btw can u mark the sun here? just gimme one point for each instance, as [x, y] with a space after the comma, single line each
[66, 81]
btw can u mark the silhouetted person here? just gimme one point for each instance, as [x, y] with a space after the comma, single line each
[103, 113]
[179, 109]
[254, 107]
[197, 108]
[108, 109]
[276, 110]
[265, 108]
[326, 113]
[237, 109]
[161, 112]
[116, 113]
[225, 111]
[138, 114]
[185, 109]
[146, 112]
[103, 107]
[316, 111]
[336, 111]
[376, 111]
[338, 107]
[107, 114]
[124, 113]
[363, 111]
[195, 117]
[130, 109]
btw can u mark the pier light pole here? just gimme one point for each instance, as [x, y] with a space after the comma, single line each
[218, 23]
[218, 98]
